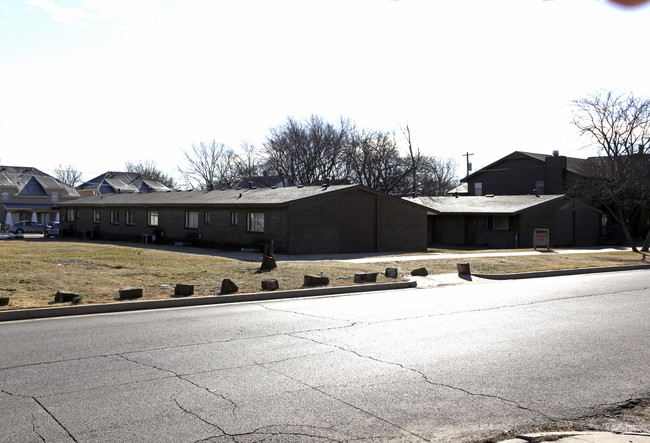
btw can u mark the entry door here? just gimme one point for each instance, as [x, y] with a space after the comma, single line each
[470, 231]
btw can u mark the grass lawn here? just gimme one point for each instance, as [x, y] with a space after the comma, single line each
[33, 270]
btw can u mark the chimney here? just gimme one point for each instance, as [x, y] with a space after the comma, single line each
[555, 168]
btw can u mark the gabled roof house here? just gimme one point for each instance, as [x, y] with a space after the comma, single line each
[522, 173]
[295, 219]
[27, 193]
[503, 203]
[509, 221]
[120, 182]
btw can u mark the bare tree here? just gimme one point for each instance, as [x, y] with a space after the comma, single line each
[373, 160]
[208, 166]
[68, 175]
[414, 158]
[248, 162]
[149, 169]
[437, 175]
[308, 152]
[619, 180]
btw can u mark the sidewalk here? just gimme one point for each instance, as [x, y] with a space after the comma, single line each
[442, 256]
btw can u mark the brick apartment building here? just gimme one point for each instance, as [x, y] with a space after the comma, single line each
[296, 220]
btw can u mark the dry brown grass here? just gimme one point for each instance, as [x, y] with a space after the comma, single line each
[32, 271]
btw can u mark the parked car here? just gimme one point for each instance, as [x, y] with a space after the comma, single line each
[26, 226]
[53, 229]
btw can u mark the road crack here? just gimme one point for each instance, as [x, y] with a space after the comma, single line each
[47, 411]
[430, 382]
[340, 400]
[194, 414]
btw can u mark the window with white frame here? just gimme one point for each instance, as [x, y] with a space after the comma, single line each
[97, 216]
[115, 216]
[130, 217]
[255, 222]
[478, 188]
[152, 218]
[234, 218]
[68, 215]
[206, 217]
[498, 222]
[191, 219]
[5, 196]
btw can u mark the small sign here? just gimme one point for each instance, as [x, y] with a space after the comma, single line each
[541, 238]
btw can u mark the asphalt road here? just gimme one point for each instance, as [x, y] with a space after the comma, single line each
[454, 364]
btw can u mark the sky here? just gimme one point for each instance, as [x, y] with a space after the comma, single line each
[98, 83]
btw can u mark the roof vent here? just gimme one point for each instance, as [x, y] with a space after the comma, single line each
[299, 186]
[556, 153]
[274, 187]
[489, 195]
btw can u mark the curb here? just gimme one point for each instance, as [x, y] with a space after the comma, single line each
[28, 314]
[584, 436]
[559, 272]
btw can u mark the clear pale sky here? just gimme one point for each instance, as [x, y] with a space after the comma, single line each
[97, 83]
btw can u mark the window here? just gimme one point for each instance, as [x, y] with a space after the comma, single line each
[497, 222]
[54, 197]
[206, 217]
[97, 216]
[191, 219]
[5, 196]
[130, 217]
[115, 216]
[152, 218]
[478, 188]
[539, 187]
[234, 218]
[68, 215]
[255, 222]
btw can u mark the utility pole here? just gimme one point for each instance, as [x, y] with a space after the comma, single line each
[469, 165]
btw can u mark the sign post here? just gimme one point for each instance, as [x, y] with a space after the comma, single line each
[541, 238]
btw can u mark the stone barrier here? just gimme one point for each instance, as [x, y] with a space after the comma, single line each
[420, 272]
[228, 287]
[270, 284]
[64, 297]
[316, 280]
[366, 277]
[183, 290]
[391, 273]
[129, 293]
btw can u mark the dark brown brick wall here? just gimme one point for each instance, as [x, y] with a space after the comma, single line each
[303, 227]
[400, 227]
[313, 226]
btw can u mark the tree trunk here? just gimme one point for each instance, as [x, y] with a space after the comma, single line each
[646, 243]
[620, 218]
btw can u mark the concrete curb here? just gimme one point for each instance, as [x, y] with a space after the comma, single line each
[26, 314]
[581, 436]
[537, 274]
